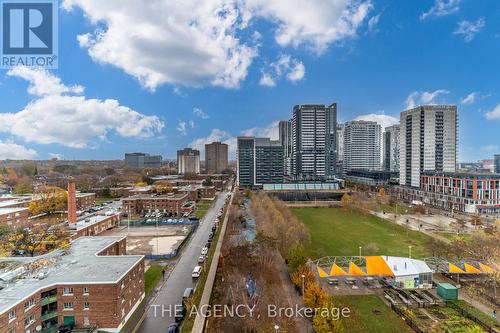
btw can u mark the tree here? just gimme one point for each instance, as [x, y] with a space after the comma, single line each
[419, 209]
[207, 182]
[23, 188]
[49, 200]
[346, 198]
[28, 169]
[38, 239]
[476, 221]
[297, 257]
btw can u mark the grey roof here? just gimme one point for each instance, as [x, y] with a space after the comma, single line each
[77, 265]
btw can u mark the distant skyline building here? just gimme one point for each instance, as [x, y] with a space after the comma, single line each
[259, 161]
[143, 160]
[285, 139]
[496, 162]
[313, 141]
[362, 145]
[390, 152]
[188, 161]
[340, 148]
[428, 142]
[216, 157]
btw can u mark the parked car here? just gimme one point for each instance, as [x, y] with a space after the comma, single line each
[188, 292]
[201, 259]
[204, 251]
[173, 328]
[196, 272]
[207, 244]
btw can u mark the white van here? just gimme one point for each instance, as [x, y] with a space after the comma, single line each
[196, 272]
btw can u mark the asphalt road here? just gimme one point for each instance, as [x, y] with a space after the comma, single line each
[161, 312]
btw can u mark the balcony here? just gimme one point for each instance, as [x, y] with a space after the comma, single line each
[52, 329]
[49, 315]
[48, 300]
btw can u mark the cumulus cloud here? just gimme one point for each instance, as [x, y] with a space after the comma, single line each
[442, 8]
[293, 69]
[373, 22]
[60, 114]
[271, 131]
[493, 114]
[162, 41]
[13, 151]
[382, 119]
[200, 113]
[469, 99]
[315, 23]
[469, 29]
[424, 97]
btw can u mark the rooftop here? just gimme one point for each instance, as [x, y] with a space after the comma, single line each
[89, 221]
[21, 277]
[4, 211]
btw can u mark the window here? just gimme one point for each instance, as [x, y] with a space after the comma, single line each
[68, 305]
[29, 304]
[86, 290]
[67, 291]
[29, 320]
[86, 305]
[12, 315]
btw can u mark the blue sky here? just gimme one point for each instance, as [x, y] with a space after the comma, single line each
[161, 76]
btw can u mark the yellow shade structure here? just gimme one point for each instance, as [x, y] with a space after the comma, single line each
[355, 270]
[336, 270]
[455, 269]
[376, 265]
[321, 272]
[471, 269]
[486, 268]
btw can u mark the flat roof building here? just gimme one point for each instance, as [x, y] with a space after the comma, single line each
[142, 160]
[188, 161]
[216, 157]
[93, 282]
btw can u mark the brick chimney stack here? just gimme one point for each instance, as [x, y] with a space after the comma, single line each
[71, 203]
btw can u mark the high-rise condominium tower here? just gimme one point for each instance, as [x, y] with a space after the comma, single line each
[362, 145]
[188, 161]
[313, 141]
[285, 139]
[390, 148]
[428, 142]
[216, 157]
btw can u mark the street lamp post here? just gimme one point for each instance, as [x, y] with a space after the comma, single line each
[409, 250]
[303, 283]
[276, 328]
[360, 251]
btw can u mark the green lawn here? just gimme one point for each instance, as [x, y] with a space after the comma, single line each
[202, 207]
[340, 232]
[369, 314]
[151, 278]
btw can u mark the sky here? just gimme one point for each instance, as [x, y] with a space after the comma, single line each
[159, 75]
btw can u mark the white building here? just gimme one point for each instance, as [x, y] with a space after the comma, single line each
[362, 145]
[188, 161]
[428, 142]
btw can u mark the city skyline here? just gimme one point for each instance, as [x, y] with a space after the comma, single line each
[387, 59]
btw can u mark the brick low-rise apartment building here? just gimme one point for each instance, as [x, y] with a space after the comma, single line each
[171, 203]
[14, 217]
[85, 201]
[93, 283]
[93, 226]
[464, 192]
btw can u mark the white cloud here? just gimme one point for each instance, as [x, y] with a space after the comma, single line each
[59, 115]
[193, 43]
[493, 114]
[191, 124]
[181, 128]
[490, 148]
[315, 23]
[442, 8]
[271, 131]
[267, 80]
[424, 97]
[293, 69]
[373, 22]
[469, 99]
[382, 119]
[13, 151]
[469, 29]
[200, 113]
[56, 155]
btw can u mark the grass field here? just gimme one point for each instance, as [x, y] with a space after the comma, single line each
[368, 314]
[340, 232]
[151, 278]
[202, 207]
